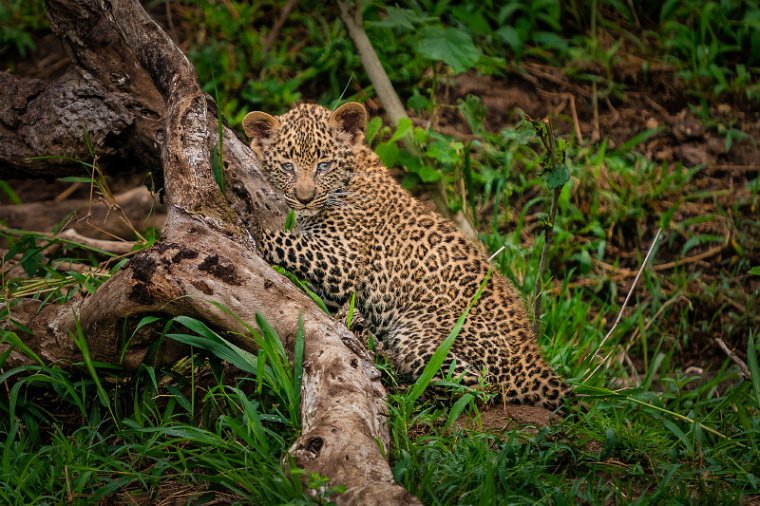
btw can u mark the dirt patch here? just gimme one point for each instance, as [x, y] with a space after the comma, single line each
[500, 418]
[536, 90]
[718, 139]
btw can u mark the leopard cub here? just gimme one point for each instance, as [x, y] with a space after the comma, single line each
[413, 272]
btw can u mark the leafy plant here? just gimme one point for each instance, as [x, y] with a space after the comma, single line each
[19, 19]
[708, 38]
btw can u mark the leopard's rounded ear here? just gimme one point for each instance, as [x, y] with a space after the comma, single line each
[351, 118]
[259, 125]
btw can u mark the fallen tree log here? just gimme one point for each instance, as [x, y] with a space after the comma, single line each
[207, 251]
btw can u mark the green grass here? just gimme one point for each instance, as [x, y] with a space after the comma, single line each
[93, 432]
[667, 417]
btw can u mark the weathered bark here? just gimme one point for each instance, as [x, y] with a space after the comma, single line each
[106, 100]
[46, 128]
[207, 252]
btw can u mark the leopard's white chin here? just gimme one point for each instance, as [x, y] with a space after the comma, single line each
[307, 212]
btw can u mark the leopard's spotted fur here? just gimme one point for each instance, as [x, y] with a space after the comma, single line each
[412, 271]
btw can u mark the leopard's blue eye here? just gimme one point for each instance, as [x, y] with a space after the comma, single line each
[287, 167]
[323, 167]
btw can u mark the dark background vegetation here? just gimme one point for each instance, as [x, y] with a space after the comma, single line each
[657, 105]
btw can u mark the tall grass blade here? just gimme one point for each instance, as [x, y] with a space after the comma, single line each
[457, 409]
[81, 343]
[281, 379]
[436, 361]
[13, 339]
[351, 310]
[304, 286]
[298, 366]
[754, 369]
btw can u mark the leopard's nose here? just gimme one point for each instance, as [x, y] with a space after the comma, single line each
[304, 195]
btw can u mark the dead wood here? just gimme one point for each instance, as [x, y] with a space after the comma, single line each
[207, 251]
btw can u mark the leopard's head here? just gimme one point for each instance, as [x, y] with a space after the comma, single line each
[308, 152]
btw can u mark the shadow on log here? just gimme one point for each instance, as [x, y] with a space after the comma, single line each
[144, 95]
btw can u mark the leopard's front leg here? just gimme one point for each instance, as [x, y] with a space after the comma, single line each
[313, 257]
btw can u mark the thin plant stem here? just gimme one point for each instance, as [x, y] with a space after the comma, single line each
[548, 233]
[625, 302]
[550, 143]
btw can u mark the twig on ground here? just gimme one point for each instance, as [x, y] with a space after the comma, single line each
[734, 357]
[695, 258]
[67, 192]
[732, 167]
[537, 70]
[117, 247]
[63, 266]
[621, 273]
[496, 253]
[576, 122]
[573, 110]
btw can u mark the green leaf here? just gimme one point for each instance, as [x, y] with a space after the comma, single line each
[523, 133]
[388, 153]
[373, 127]
[458, 408]
[681, 435]
[556, 177]
[75, 179]
[755, 270]
[550, 40]
[397, 17]
[428, 174]
[449, 45]
[445, 152]
[217, 166]
[304, 286]
[13, 339]
[351, 309]
[10, 193]
[403, 129]
[474, 113]
[418, 102]
[32, 261]
[80, 341]
[510, 36]
[472, 17]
